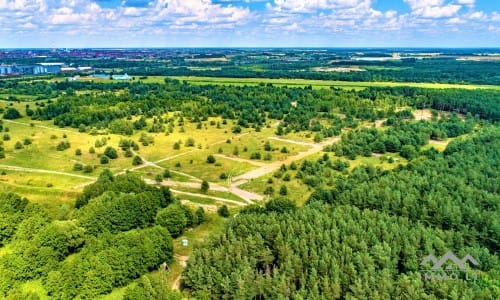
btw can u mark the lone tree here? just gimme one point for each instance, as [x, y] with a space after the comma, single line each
[11, 114]
[104, 160]
[223, 211]
[111, 152]
[199, 216]
[159, 178]
[205, 186]
[283, 190]
[137, 160]
[210, 159]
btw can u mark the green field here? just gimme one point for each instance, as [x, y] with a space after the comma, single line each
[325, 83]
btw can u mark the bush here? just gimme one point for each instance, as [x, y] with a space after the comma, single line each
[18, 145]
[269, 191]
[204, 186]
[255, 155]
[236, 129]
[104, 159]
[63, 145]
[88, 169]
[11, 114]
[223, 211]
[283, 190]
[190, 142]
[137, 160]
[280, 205]
[210, 159]
[111, 152]
[77, 167]
[173, 218]
[159, 178]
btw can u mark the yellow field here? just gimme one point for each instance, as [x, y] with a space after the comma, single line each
[326, 83]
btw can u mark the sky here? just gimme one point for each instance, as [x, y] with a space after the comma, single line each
[249, 23]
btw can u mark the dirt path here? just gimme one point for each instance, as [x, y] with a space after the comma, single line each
[207, 207]
[422, 114]
[183, 262]
[246, 195]
[32, 170]
[276, 138]
[40, 126]
[191, 185]
[242, 160]
[272, 167]
[174, 156]
[208, 197]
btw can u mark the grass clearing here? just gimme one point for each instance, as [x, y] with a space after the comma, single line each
[325, 83]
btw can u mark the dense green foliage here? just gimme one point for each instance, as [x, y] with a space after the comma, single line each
[111, 240]
[361, 234]
[366, 237]
[365, 141]
[321, 252]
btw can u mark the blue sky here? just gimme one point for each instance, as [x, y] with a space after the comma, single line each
[249, 23]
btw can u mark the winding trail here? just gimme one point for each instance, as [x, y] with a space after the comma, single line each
[242, 160]
[33, 170]
[40, 126]
[208, 197]
[272, 167]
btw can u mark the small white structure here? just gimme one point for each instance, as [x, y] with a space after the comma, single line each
[121, 77]
[184, 243]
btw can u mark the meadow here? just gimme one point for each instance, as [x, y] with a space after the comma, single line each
[356, 85]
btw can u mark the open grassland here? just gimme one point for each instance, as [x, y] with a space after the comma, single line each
[40, 187]
[316, 84]
[326, 83]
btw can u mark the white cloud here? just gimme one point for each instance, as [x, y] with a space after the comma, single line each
[307, 6]
[434, 8]
[439, 11]
[466, 2]
[200, 18]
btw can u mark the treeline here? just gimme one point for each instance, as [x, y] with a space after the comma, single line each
[481, 102]
[406, 70]
[122, 230]
[324, 112]
[366, 237]
[402, 136]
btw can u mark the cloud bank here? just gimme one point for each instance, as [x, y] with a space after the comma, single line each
[168, 23]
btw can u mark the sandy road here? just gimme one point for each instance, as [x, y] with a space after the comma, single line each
[272, 167]
[33, 170]
[242, 160]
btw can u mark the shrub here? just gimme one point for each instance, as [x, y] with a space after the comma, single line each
[104, 159]
[210, 159]
[137, 160]
[111, 152]
[11, 114]
[204, 186]
[223, 211]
